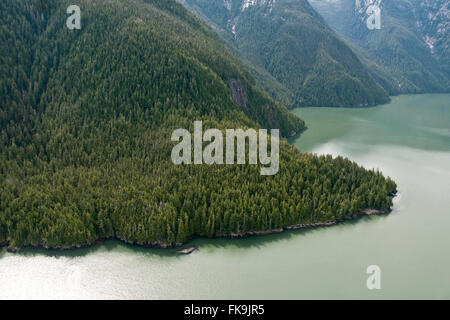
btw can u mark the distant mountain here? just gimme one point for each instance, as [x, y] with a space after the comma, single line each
[410, 53]
[86, 118]
[291, 51]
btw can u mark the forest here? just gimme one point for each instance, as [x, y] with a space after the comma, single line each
[292, 52]
[86, 118]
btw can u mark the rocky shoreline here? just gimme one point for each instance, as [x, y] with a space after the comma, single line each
[189, 250]
[367, 212]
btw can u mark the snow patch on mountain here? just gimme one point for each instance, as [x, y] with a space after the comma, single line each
[249, 3]
[433, 20]
[227, 4]
[361, 6]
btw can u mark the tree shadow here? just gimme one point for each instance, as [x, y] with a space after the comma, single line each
[259, 242]
[2, 252]
[262, 241]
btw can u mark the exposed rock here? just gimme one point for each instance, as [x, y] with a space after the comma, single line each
[238, 93]
[191, 249]
[250, 3]
[187, 250]
[371, 212]
[13, 249]
[312, 225]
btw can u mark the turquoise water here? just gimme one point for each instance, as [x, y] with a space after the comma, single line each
[408, 139]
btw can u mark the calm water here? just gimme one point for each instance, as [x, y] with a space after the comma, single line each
[408, 140]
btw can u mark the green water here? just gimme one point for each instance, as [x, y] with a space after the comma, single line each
[409, 140]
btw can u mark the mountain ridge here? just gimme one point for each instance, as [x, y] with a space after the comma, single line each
[287, 45]
[410, 51]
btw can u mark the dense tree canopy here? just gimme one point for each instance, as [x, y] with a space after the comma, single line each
[86, 118]
[292, 52]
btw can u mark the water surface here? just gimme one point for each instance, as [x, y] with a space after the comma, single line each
[408, 139]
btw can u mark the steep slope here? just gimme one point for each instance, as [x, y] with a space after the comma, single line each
[433, 21]
[288, 47]
[86, 120]
[410, 52]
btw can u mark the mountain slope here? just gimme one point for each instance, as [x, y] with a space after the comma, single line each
[86, 119]
[288, 46]
[410, 52]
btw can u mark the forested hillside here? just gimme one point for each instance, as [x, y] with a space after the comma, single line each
[292, 53]
[410, 53]
[86, 118]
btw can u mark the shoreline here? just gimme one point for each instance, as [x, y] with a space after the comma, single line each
[391, 96]
[158, 245]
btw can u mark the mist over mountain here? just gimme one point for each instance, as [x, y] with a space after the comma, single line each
[410, 53]
[291, 51]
